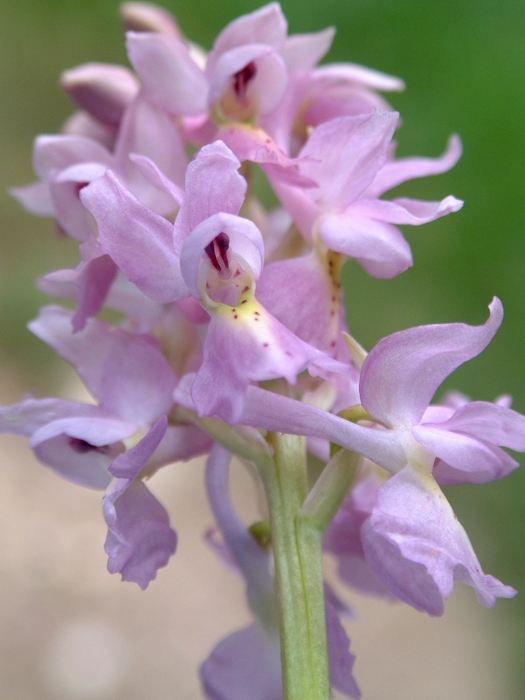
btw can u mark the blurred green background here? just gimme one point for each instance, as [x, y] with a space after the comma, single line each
[464, 65]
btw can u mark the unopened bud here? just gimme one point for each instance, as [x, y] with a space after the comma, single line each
[146, 17]
[102, 89]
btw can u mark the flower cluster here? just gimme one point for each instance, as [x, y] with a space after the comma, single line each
[232, 324]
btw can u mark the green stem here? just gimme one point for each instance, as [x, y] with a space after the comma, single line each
[298, 573]
[330, 489]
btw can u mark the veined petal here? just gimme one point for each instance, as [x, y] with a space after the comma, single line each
[347, 153]
[467, 458]
[36, 198]
[286, 284]
[245, 343]
[250, 142]
[65, 188]
[402, 371]
[303, 51]
[378, 246]
[89, 282]
[170, 77]
[488, 421]
[138, 240]
[139, 539]
[404, 211]
[213, 185]
[149, 131]
[96, 431]
[54, 153]
[127, 373]
[27, 416]
[270, 411]
[361, 75]
[129, 464]
[394, 172]
[156, 177]
[416, 546]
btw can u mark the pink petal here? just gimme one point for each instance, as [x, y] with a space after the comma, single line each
[170, 77]
[55, 153]
[138, 240]
[77, 461]
[95, 430]
[304, 51]
[379, 247]
[349, 151]
[36, 198]
[83, 124]
[250, 142]
[244, 345]
[65, 188]
[404, 211]
[155, 177]
[491, 422]
[146, 17]
[394, 172]
[270, 411]
[213, 185]
[416, 546]
[127, 373]
[402, 372]
[353, 73]
[139, 539]
[150, 132]
[302, 282]
[466, 458]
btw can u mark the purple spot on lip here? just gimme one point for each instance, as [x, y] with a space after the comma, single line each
[265, 345]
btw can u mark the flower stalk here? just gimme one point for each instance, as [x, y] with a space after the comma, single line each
[298, 574]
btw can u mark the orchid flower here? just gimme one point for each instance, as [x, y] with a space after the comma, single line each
[345, 157]
[229, 337]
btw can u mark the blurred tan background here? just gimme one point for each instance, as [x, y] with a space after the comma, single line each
[70, 630]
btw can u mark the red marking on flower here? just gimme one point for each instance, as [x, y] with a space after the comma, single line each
[81, 446]
[217, 251]
[242, 78]
[80, 186]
